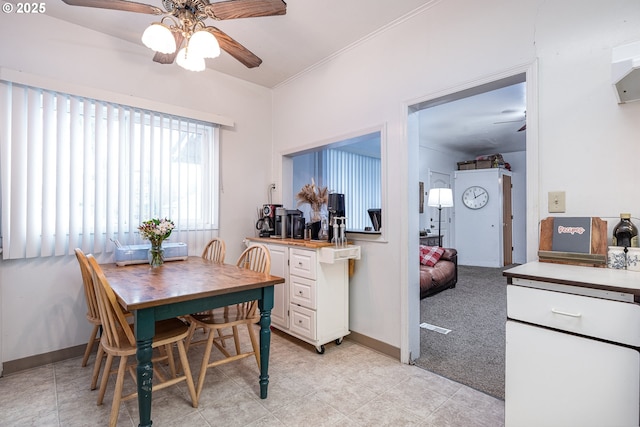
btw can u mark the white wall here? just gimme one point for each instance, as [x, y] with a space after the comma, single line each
[587, 141]
[46, 294]
[435, 160]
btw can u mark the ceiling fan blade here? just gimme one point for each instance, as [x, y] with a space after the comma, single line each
[235, 49]
[168, 58]
[125, 5]
[232, 9]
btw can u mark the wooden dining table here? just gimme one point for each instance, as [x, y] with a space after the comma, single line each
[182, 287]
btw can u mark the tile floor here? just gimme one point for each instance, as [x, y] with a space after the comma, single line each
[349, 385]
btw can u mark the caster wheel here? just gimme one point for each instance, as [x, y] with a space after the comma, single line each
[320, 350]
[339, 341]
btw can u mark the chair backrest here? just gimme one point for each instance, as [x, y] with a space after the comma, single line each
[255, 257]
[215, 250]
[114, 323]
[87, 281]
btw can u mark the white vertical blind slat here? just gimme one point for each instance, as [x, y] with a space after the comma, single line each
[111, 176]
[62, 175]
[34, 174]
[49, 191]
[134, 184]
[5, 155]
[100, 172]
[84, 173]
[123, 184]
[18, 142]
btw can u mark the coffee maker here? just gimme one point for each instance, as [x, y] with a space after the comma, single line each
[295, 221]
[266, 222]
[335, 207]
[282, 227]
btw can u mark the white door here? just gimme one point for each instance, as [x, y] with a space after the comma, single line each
[440, 180]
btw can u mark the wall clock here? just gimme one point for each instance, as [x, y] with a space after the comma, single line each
[475, 197]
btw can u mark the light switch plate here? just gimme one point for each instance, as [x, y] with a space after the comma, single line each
[557, 202]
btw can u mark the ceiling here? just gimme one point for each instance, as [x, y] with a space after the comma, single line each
[482, 120]
[312, 32]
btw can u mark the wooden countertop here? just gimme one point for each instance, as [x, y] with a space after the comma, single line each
[607, 279]
[310, 244]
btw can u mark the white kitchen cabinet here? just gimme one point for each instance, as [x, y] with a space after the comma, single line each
[313, 303]
[279, 262]
[572, 339]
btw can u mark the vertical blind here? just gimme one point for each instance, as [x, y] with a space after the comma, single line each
[358, 177]
[77, 172]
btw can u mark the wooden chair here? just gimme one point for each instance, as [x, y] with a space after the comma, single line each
[93, 315]
[118, 340]
[256, 258]
[215, 250]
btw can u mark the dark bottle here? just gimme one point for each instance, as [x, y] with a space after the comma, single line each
[625, 233]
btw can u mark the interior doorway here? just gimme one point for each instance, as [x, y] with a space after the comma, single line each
[444, 160]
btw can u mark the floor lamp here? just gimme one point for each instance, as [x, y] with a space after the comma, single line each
[440, 198]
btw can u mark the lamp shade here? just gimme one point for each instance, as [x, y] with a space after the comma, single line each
[204, 44]
[190, 62]
[159, 37]
[440, 197]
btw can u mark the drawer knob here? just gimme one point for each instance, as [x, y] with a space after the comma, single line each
[565, 313]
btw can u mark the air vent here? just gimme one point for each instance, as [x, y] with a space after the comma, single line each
[625, 72]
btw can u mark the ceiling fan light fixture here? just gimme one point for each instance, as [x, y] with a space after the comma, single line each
[187, 60]
[204, 44]
[159, 37]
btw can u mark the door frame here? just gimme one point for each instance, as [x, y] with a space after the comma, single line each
[409, 304]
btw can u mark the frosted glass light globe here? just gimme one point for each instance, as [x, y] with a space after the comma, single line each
[204, 44]
[159, 37]
[189, 61]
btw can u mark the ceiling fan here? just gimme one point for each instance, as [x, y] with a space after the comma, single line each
[524, 118]
[182, 34]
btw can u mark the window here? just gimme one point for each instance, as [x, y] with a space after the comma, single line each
[351, 167]
[77, 172]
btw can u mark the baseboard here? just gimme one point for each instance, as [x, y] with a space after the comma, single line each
[374, 344]
[30, 362]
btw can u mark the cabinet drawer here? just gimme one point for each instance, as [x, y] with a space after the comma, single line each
[303, 292]
[302, 263]
[594, 317]
[303, 321]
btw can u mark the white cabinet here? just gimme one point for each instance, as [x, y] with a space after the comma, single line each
[558, 379]
[572, 339]
[279, 263]
[313, 303]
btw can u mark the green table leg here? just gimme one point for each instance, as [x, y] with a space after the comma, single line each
[144, 331]
[265, 304]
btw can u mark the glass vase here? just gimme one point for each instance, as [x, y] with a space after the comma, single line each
[156, 255]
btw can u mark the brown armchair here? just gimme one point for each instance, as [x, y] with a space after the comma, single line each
[442, 275]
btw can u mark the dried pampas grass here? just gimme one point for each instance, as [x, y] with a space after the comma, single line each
[313, 195]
